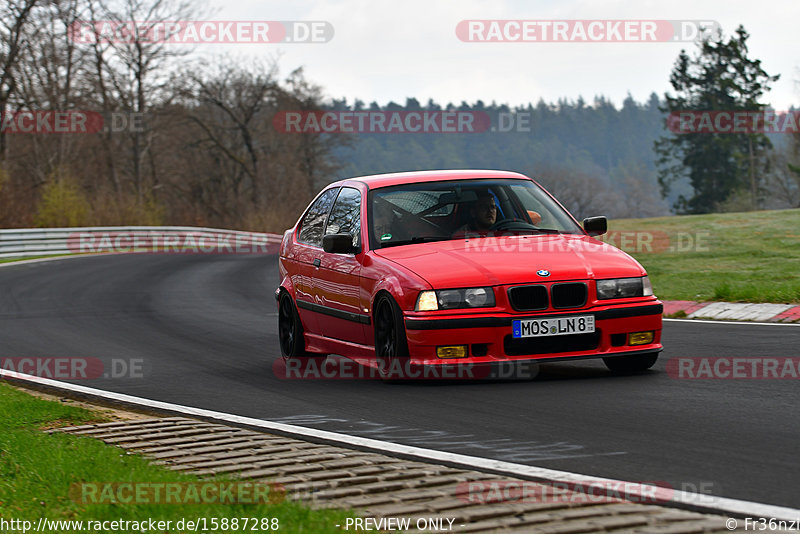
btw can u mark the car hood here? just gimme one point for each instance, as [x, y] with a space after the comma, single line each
[512, 260]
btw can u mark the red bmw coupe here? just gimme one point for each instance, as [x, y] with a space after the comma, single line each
[455, 268]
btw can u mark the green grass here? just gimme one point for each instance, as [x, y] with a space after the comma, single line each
[38, 471]
[741, 257]
[9, 260]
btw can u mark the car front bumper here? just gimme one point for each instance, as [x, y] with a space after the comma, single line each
[489, 336]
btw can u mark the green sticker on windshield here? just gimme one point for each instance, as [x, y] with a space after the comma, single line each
[386, 237]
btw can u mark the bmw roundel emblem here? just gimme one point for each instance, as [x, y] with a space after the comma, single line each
[543, 272]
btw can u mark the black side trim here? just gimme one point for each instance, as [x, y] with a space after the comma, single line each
[333, 312]
[491, 322]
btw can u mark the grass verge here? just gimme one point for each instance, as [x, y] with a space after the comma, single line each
[733, 257]
[11, 260]
[39, 474]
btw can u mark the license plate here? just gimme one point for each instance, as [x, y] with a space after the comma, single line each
[553, 326]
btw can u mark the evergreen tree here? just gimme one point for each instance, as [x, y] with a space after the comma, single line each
[720, 77]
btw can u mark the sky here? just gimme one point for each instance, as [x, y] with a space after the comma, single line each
[387, 51]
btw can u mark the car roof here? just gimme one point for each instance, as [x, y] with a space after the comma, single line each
[398, 178]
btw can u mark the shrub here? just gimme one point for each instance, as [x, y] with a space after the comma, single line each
[62, 203]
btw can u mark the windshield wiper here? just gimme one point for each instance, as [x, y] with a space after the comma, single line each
[415, 239]
[509, 231]
[538, 230]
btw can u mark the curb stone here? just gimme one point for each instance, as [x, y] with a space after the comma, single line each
[733, 311]
[375, 485]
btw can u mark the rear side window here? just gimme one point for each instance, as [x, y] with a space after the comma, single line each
[314, 220]
[346, 215]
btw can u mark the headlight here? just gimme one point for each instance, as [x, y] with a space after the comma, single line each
[448, 299]
[620, 288]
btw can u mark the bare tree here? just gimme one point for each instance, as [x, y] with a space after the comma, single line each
[14, 17]
[233, 104]
[582, 193]
[315, 149]
[636, 188]
[135, 74]
[52, 77]
[208, 153]
[249, 169]
[783, 180]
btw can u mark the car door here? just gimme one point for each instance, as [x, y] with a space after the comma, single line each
[306, 254]
[336, 284]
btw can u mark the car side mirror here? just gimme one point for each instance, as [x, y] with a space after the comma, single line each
[339, 244]
[595, 225]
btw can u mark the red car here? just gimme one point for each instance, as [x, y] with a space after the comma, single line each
[459, 268]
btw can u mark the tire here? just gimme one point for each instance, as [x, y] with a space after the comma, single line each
[635, 363]
[290, 330]
[391, 344]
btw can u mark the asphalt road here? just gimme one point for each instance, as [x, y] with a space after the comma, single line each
[200, 330]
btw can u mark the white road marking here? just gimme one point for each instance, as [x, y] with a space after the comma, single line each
[744, 323]
[681, 499]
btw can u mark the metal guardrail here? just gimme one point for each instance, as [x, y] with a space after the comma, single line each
[25, 242]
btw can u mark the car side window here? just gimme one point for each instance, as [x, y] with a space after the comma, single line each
[346, 215]
[314, 220]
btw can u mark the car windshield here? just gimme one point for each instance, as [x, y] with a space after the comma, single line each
[438, 211]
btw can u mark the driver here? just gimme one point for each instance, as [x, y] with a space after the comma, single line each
[482, 215]
[386, 225]
[383, 219]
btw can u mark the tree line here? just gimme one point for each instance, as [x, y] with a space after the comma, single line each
[185, 140]
[188, 139]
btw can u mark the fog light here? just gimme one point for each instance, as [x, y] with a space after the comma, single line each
[641, 338]
[453, 351]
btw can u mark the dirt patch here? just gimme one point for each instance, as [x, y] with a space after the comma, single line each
[104, 414]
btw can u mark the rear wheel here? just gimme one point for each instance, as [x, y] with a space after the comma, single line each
[391, 345]
[290, 332]
[635, 363]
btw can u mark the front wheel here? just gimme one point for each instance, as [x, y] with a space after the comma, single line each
[391, 345]
[635, 363]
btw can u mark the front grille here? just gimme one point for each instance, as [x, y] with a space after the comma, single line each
[571, 295]
[550, 344]
[527, 298]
